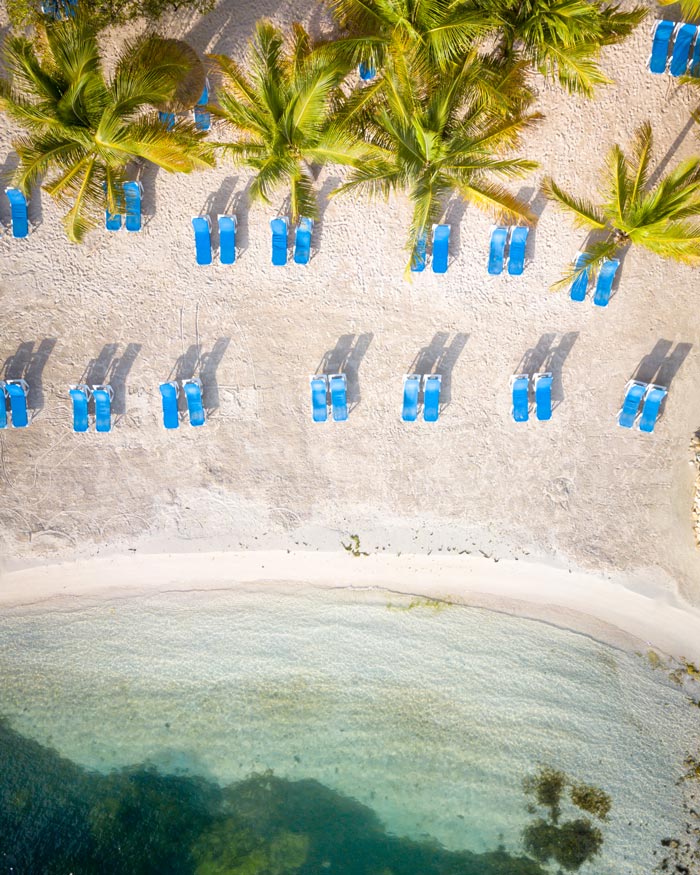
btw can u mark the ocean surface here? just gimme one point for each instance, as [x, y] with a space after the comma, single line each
[276, 730]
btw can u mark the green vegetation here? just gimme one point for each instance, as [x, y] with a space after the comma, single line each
[82, 129]
[354, 546]
[436, 605]
[661, 218]
[591, 799]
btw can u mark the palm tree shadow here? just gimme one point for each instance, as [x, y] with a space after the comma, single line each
[673, 148]
[209, 364]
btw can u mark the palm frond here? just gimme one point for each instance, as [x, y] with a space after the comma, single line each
[641, 156]
[585, 213]
[496, 201]
[596, 253]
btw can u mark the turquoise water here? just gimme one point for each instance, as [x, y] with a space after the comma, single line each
[274, 730]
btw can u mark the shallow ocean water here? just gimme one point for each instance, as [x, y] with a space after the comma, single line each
[406, 720]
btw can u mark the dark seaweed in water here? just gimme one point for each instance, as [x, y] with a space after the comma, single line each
[57, 818]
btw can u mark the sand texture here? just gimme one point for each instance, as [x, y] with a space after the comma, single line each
[135, 309]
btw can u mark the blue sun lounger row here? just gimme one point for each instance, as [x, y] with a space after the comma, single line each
[302, 240]
[441, 247]
[18, 212]
[227, 239]
[679, 60]
[101, 396]
[131, 204]
[604, 281]
[202, 116]
[411, 397]
[170, 392]
[323, 386]
[650, 396]
[520, 387]
[516, 239]
[14, 391]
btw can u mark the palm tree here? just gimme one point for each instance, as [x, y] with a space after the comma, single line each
[451, 137]
[82, 129]
[561, 39]
[689, 8]
[285, 114]
[662, 217]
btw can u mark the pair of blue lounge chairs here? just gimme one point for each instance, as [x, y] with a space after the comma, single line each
[59, 9]
[516, 239]
[411, 396]
[441, 247]
[678, 61]
[131, 204]
[18, 212]
[604, 281]
[321, 386]
[650, 396]
[170, 392]
[101, 396]
[227, 239]
[202, 117]
[302, 240]
[16, 392]
[520, 385]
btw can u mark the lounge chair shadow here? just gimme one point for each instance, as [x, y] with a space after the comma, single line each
[97, 370]
[440, 358]
[660, 366]
[185, 368]
[537, 202]
[240, 206]
[555, 365]
[209, 363]
[535, 357]
[219, 202]
[28, 364]
[119, 371]
[453, 215]
[345, 358]
[147, 175]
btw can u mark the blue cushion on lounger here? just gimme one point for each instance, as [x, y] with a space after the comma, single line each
[279, 228]
[516, 252]
[169, 393]
[339, 397]
[521, 399]
[113, 221]
[17, 390]
[367, 71]
[603, 286]
[3, 405]
[132, 197]
[193, 393]
[634, 392]
[658, 59]
[543, 396]
[302, 241]
[411, 390]
[681, 49]
[441, 247]
[431, 397]
[580, 284]
[202, 239]
[650, 410]
[319, 398]
[18, 209]
[227, 239]
[103, 407]
[202, 118]
[419, 257]
[80, 396]
[168, 119]
[499, 236]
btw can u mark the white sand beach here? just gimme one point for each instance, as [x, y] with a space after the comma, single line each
[471, 503]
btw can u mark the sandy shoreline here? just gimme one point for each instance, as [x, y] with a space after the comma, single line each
[618, 612]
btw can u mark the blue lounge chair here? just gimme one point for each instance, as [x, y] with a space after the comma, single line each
[3, 405]
[80, 395]
[441, 247]
[685, 35]
[18, 209]
[650, 409]
[319, 397]
[302, 241]
[202, 118]
[168, 119]
[17, 391]
[543, 396]
[102, 396]
[113, 221]
[59, 9]
[227, 239]
[603, 286]
[339, 396]
[193, 393]
[169, 392]
[516, 251]
[367, 71]
[279, 228]
[431, 397]
[411, 390]
[420, 255]
[694, 69]
[658, 59]
[133, 192]
[634, 392]
[520, 384]
[580, 284]
[202, 239]
[499, 237]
